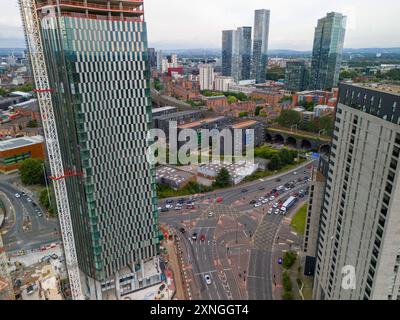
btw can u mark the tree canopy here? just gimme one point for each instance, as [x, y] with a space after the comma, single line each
[31, 171]
[223, 179]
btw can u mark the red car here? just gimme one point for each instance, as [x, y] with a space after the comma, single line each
[202, 237]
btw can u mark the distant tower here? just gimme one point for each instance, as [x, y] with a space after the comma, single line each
[241, 54]
[327, 51]
[227, 46]
[260, 45]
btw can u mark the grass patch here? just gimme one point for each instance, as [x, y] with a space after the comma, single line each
[299, 220]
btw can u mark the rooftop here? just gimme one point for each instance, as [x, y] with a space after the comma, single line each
[177, 114]
[382, 87]
[173, 174]
[20, 142]
[244, 124]
[162, 109]
[199, 123]
[216, 97]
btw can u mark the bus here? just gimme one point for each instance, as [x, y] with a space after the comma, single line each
[288, 204]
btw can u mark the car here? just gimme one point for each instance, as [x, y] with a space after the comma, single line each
[169, 201]
[17, 195]
[207, 278]
[283, 210]
[287, 189]
[270, 211]
[182, 230]
[264, 201]
[30, 289]
[275, 205]
[257, 205]
[210, 214]
[278, 180]
[194, 236]
[159, 208]
[244, 190]
[54, 256]
[274, 190]
[295, 173]
[165, 209]
[177, 208]
[277, 211]
[23, 194]
[261, 188]
[272, 198]
[253, 202]
[29, 199]
[202, 238]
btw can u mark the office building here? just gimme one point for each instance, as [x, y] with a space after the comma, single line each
[241, 54]
[97, 63]
[152, 58]
[260, 45]
[206, 77]
[296, 76]
[227, 46]
[327, 51]
[14, 151]
[360, 218]
[222, 83]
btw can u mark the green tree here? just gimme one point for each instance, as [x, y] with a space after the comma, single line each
[275, 163]
[3, 92]
[232, 99]
[243, 114]
[31, 171]
[286, 282]
[257, 111]
[32, 124]
[286, 156]
[27, 87]
[289, 118]
[45, 201]
[223, 179]
[289, 258]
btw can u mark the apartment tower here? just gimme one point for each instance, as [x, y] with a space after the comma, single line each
[358, 250]
[97, 59]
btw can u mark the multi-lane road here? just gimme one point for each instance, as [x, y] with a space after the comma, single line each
[237, 251]
[238, 238]
[39, 231]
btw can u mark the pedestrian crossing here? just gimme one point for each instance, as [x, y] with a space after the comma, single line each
[265, 234]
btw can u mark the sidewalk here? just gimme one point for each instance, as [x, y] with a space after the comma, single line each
[286, 240]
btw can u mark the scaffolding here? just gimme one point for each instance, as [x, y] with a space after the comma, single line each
[31, 24]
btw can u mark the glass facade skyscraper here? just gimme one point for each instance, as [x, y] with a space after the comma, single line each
[241, 54]
[97, 58]
[296, 75]
[227, 46]
[327, 51]
[260, 45]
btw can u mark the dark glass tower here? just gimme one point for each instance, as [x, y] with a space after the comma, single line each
[260, 45]
[227, 46]
[296, 75]
[327, 51]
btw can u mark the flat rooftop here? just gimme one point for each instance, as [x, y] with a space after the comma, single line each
[162, 109]
[382, 87]
[172, 174]
[177, 114]
[200, 122]
[215, 97]
[20, 142]
[244, 124]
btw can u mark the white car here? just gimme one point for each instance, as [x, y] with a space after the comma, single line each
[295, 173]
[178, 208]
[257, 205]
[210, 214]
[207, 278]
[272, 198]
[283, 210]
[277, 211]
[17, 195]
[264, 201]
[270, 211]
[29, 199]
[275, 205]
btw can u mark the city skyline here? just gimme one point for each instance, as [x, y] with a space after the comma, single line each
[198, 32]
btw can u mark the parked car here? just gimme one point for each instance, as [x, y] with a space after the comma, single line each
[17, 195]
[277, 211]
[165, 209]
[257, 205]
[207, 278]
[253, 202]
[210, 214]
[29, 199]
[270, 211]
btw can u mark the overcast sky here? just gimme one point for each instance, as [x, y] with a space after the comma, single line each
[182, 24]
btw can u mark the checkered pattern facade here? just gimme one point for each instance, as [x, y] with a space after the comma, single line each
[100, 73]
